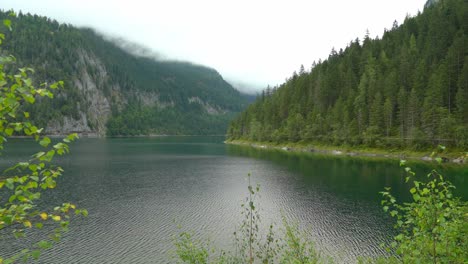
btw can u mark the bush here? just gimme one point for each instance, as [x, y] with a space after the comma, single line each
[433, 228]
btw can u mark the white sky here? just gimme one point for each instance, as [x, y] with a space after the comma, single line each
[256, 42]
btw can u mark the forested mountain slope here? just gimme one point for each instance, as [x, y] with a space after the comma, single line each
[110, 91]
[408, 89]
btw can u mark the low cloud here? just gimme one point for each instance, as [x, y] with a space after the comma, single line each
[251, 43]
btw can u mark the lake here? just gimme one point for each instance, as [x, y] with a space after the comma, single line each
[141, 192]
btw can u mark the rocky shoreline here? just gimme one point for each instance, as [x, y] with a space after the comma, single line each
[463, 159]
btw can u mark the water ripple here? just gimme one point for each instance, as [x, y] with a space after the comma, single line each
[138, 198]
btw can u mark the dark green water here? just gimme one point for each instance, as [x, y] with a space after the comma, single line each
[139, 190]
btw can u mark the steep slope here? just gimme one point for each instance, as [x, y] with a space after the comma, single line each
[408, 89]
[110, 91]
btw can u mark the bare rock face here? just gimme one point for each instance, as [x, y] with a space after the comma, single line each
[152, 99]
[97, 105]
[96, 110]
[91, 81]
[212, 110]
[69, 125]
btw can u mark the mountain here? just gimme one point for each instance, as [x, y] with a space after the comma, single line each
[408, 89]
[114, 87]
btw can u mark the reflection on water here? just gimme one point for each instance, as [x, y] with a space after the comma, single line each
[139, 190]
[355, 176]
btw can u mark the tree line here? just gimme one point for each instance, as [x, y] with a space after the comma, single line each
[407, 89]
[60, 51]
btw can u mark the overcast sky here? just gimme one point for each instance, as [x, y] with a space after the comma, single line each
[254, 42]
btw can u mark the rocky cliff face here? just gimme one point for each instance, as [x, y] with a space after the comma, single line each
[96, 110]
[110, 90]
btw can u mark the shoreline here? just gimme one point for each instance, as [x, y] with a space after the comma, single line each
[98, 136]
[452, 157]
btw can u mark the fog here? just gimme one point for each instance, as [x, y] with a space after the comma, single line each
[251, 43]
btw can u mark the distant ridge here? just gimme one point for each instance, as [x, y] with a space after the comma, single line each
[117, 89]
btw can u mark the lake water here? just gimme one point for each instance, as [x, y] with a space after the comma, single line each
[139, 191]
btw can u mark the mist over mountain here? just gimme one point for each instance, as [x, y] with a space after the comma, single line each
[116, 87]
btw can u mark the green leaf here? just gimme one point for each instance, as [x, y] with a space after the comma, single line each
[38, 155]
[45, 142]
[7, 23]
[50, 183]
[10, 183]
[84, 212]
[44, 244]
[9, 131]
[18, 127]
[33, 167]
[35, 254]
[12, 198]
[29, 98]
[72, 137]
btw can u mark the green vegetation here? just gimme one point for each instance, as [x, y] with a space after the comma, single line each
[137, 120]
[432, 228]
[109, 87]
[21, 185]
[360, 151]
[407, 90]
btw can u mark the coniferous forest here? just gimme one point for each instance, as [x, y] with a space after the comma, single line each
[110, 89]
[407, 89]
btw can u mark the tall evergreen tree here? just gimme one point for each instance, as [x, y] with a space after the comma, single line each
[409, 88]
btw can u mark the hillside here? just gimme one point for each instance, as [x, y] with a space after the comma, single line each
[408, 89]
[109, 91]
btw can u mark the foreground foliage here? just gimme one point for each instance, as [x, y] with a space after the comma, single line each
[21, 185]
[432, 228]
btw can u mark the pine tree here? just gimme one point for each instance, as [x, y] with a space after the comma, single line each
[376, 112]
[388, 116]
[402, 112]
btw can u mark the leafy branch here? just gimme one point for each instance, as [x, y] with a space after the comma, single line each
[21, 185]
